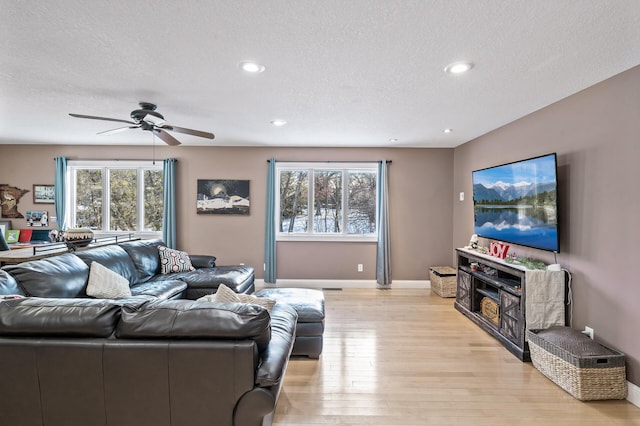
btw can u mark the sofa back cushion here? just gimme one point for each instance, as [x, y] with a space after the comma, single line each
[196, 320]
[34, 316]
[8, 284]
[112, 257]
[58, 276]
[144, 254]
[161, 289]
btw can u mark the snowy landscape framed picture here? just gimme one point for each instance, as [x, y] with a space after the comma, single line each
[223, 196]
[43, 194]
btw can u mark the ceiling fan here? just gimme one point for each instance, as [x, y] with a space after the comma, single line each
[147, 118]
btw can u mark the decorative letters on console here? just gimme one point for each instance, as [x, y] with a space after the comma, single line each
[498, 250]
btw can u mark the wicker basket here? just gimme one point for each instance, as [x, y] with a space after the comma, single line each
[443, 280]
[579, 365]
[489, 309]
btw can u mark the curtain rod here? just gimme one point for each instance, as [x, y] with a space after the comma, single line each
[302, 161]
[120, 159]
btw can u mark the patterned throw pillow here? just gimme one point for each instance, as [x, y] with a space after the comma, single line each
[106, 284]
[174, 260]
[226, 295]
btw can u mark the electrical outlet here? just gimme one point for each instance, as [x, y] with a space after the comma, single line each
[360, 267]
[462, 196]
[589, 332]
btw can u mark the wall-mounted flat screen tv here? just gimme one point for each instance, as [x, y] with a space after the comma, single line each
[518, 202]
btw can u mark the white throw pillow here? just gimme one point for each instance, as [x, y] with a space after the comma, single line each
[174, 260]
[106, 284]
[226, 295]
[255, 300]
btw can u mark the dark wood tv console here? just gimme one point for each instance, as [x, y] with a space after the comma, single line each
[506, 286]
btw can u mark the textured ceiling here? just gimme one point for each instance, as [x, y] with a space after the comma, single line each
[341, 73]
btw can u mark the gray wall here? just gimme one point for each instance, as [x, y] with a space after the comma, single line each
[420, 182]
[596, 135]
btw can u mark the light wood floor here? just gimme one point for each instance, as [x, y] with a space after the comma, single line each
[407, 357]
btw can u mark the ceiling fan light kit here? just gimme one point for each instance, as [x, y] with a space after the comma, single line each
[147, 118]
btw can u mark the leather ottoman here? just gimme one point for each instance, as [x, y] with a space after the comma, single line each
[309, 304]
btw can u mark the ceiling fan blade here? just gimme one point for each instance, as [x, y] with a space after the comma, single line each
[92, 117]
[189, 131]
[118, 130]
[166, 137]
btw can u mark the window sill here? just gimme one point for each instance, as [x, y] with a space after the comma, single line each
[328, 238]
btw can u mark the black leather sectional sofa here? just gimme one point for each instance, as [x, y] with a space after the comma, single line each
[158, 357]
[137, 261]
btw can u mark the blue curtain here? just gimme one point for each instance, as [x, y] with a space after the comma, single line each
[59, 191]
[169, 202]
[383, 261]
[270, 225]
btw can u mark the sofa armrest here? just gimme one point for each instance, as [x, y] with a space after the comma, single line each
[202, 261]
[275, 357]
[9, 285]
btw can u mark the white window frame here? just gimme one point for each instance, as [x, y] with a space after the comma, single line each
[106, 165]
[310, 235]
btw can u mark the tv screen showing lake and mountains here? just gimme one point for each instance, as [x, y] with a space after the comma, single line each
[517, 203]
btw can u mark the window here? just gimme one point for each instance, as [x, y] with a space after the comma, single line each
[115, 196]
[332, 201]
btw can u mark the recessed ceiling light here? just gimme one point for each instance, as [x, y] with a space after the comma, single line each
[278, 123]
[393, 140]
[251, 67]
[448, 130]
[458, 67]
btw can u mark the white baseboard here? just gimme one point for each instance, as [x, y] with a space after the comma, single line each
[633, 394]
[320, 284]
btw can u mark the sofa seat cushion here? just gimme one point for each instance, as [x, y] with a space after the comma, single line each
[239, 278]
[167, 319]
[58, 276]
[226, 295]
[163, 289]
[34, 316]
